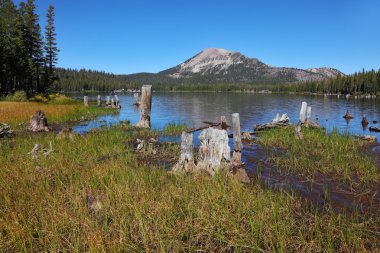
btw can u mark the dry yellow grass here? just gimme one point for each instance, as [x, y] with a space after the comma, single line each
[15, 113]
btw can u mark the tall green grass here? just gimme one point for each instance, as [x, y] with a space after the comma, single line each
[145, 209]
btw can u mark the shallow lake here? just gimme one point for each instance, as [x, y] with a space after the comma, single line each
[192, 108]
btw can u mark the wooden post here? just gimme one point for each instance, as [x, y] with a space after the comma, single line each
[99, 100]
[108, 101]
[85, 100]
[186, 159]
[303, 112]
[238, 146]
[146, 105]
[223, 122]
[136, 99]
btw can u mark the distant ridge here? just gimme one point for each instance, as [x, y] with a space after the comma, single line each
[217, 65]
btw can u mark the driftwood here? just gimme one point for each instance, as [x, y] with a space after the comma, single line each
[85, 100]
[278, 121]
[38, 150]
[136, 99]
[5, 130]
[99, 100]
[238, 146]
[374, 129]
[38, 122]
[186, 160]
[146, 105]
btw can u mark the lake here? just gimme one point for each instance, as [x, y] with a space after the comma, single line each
[192, 108]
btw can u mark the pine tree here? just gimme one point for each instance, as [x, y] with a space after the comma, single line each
[51, 49]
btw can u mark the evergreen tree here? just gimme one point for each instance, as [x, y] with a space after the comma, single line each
[51, 49]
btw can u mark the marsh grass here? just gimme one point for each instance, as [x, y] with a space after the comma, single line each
[19, 113]
[173, 129]
[146, 209]
[333, 154]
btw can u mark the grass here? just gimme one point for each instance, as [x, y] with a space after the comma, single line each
[318, 152]
[18, 113]
[145, 209]
[173, 129]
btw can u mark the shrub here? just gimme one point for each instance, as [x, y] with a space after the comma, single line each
[17, 96]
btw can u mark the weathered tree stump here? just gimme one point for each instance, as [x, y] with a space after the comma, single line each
[146, 105]
[99, 100]
[136, 99]
[297, 131]
[117, 103]
[364, 120]
[5, 130]
[213, 150]
[238, 146]
[223, 121]
[303, 112]
[186, 159]
[108, 101]
[38, 122]
[308, 116]
[112, 103]
[348, 115]
[85, 100]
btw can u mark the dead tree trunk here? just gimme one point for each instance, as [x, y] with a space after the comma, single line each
[112, 103]
[223, 122]
[238, 146]
[308, 116]
[85, 100]
[303, 112]
[297, 131]
[186, 159]
[108, 101]
[146, 105]
[99, 100]
[213, 150]
[38, 122]
[136, 99]
[117, 102]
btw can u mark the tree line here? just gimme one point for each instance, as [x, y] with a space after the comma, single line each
[27, 59]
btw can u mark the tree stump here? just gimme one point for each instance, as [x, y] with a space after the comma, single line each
[108, 101]
[85, 100]
[136, 99]
[297, 131]
[146, 105]
[364, 121]
[117, 102]
[99, 100]
[303, 112]
[186, 159]
[223, 121]
[213, 149]
[238, 146]
[5, 130]
[38, 122]
[308, 116]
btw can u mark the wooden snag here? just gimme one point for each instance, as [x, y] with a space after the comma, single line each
[238, 146]
[146, 105]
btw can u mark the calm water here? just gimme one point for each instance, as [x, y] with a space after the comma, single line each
[193, 108]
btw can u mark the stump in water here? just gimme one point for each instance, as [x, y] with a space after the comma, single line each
[108, 101]
[186, 159]
[213, 149]
[117, 103]
[85, 100]
[99, 100]
[238, 146]
[5, 130]
[223, 121]
[38, 122]
[146, 105]
[348, 115]
[112, 103]
[364, 120]
[136, 99]
[303, 112]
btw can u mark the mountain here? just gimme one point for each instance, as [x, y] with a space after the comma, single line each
[216, 65]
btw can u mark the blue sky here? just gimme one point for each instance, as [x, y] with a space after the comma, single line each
[148, 36]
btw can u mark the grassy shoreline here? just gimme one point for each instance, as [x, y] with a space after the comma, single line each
[45, 204]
